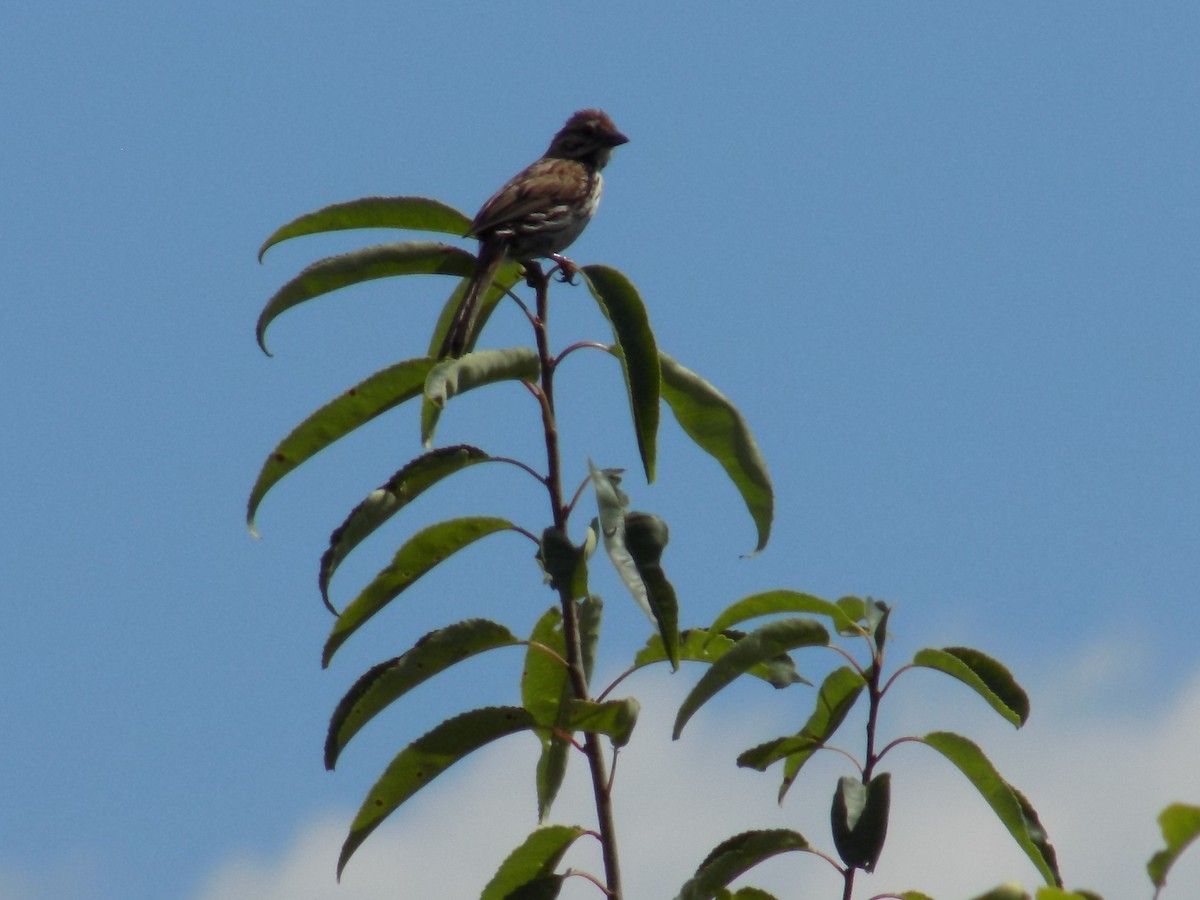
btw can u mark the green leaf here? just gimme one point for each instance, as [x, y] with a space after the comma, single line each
[384, 502]
[859, 819]
[422, 552]
[412, 213]
[384, 390]
[984, 675]
[545, 690]
[564, 563]
[547, 887]
[591, 613]
[452, 377]
[1053, 893]
[760, 645]
[835, 698]
[701, 645]
[614, 718]
[388, 681]
[914, 895]
[1010, 891]
[748, 893]
[717, 428]
[1180, 824]
[537, 857]
[368, 264]
[1013, 811]
[771, 603]
[637, 351]
[736, 855]
[425, 759]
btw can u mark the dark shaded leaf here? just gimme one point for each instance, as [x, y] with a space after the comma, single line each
[646, 537]
[717, 428]
[388, 681]
[736, 855]
[384, 502]
[626, 313]
[701, 645]
[425, 759]
[384, 390]
[422, 552]
[758, 646]
[859, 819]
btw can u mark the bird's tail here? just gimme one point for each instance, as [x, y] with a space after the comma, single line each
[462, 326]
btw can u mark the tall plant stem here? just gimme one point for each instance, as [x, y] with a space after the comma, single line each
[593, 749]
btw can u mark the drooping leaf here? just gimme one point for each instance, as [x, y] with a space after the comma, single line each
[835, 698]
[717, 428]
[384, 390]
[452, 377]
[758, 646]
[411, 213]
[545, 690]
[422, 552]
[859, 819]
[737, 855]
[1001, 797]
[878, 614]
[1180, 825]
[984, 675]
[384, 502]
[635, 348]
[426, 758]
[537, 857]
[701, 645]
[385, 683]
[591, 613]
[646, 537]
[368, 264]
[611, 502]
[771, 603]
[564, 563]
[614, 718]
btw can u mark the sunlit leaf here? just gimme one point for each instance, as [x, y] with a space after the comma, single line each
[758, 646]
[1012, 810]
[783, 601]
[736, 855]
[545, 690]
[716, 426]
[451, 377]
[637, 351]
[412, 213]
[358, 266]
[614, 718]
[1180, 824]
[384, 502]
[984, 675]
[384, 390]
[425, 759]
[388, 681]
[422, 552]
[536, 858]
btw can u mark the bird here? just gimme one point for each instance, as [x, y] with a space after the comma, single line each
[538, 213]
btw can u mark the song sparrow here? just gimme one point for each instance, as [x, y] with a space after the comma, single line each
[539, 212]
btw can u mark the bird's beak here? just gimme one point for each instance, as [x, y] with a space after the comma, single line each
[616, 139]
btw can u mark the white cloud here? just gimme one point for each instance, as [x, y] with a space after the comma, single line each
[1098, 785]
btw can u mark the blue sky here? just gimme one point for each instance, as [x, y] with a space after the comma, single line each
[943, 257]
